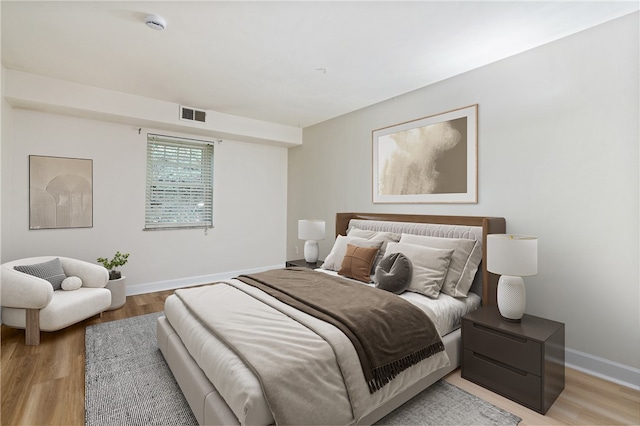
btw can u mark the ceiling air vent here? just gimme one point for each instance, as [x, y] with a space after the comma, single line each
[192, 114]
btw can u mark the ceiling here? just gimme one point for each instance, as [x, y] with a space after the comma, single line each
[296, 63]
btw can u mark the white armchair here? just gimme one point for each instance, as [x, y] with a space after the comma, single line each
[31, 303]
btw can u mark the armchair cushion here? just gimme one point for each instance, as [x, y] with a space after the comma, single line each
[50, 271]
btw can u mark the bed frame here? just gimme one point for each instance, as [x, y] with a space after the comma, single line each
[210, 408]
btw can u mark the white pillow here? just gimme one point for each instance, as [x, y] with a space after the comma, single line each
[335, 258]
[466, 257]
[71, 283]
[428, 266]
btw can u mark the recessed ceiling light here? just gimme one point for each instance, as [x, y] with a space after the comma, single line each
[156, 22]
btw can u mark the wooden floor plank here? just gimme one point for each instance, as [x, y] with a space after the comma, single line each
[44, 384]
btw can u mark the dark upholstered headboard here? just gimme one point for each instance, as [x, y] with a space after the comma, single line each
[490, 225]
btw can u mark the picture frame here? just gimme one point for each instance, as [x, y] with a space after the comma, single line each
[60, 192]
[432, 159]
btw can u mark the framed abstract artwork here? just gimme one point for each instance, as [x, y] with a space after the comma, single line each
[60, 192]
[429, 160]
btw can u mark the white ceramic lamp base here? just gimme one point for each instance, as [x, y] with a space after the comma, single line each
[511, 297]
[311, 251]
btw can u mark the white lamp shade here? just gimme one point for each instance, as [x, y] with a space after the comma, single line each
[311, 229]
[515, 255]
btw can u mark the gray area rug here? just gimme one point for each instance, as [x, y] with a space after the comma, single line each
[127, 381]
[445, 404]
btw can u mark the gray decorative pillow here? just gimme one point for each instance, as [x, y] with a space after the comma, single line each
[393, 273]
[51, 271]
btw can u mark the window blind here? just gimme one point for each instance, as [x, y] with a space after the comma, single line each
[179, 183]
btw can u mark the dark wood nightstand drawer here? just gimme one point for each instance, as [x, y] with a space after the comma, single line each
[516, 351]
[522, 387]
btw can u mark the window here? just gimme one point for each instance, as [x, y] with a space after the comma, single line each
[179, 183]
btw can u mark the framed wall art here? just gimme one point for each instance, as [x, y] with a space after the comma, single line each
[429, 160]
[60, 192]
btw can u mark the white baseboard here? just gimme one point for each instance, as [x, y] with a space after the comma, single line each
[192, 281]
[603, 368]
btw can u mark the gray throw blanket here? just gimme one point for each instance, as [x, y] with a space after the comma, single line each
[388, 333]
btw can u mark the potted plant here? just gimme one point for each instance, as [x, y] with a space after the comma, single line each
[116, 284]
[118, 260]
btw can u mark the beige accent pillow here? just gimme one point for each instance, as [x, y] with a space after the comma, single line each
[334, 260]
[357, 262]
[428, 266]
[466, 257]
[71, 283]
[385, 237]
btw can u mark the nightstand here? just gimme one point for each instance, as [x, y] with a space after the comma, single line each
[523, 361]
[303, 263]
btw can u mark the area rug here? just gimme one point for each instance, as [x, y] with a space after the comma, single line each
[127, 381]
[445, 404]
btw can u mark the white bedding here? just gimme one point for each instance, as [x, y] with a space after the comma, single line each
[445, 311]
[242, 390]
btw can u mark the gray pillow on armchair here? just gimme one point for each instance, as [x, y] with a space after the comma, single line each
[51, 271]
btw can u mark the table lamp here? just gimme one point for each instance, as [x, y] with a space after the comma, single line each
[312, 231]
[513, 257]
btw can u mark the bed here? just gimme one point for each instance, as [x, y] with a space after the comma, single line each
[227, 386]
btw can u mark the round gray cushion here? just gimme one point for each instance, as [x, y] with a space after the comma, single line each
[393, 273]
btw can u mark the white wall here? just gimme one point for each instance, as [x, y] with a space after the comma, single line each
[249, 203]
[558, 158]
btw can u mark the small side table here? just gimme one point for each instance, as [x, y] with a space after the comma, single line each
[303, 264]
[523, 361]
[118, 289]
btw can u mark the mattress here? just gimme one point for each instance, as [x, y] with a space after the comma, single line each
[242, 390]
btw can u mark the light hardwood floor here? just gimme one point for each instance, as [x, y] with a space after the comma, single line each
[45, 384]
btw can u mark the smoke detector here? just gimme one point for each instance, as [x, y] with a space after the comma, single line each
[156, 22]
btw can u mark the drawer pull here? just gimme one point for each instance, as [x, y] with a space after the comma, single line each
[499, 333]
[500, 364]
